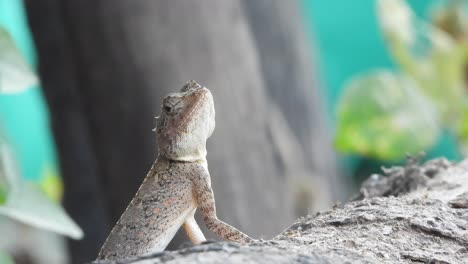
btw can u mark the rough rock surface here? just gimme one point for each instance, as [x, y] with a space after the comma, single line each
[425, 222]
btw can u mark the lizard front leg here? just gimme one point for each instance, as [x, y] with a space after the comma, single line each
[206, 202]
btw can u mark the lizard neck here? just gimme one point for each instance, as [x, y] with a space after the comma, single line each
[162, 161]
[201, 160]
[179, 151]
[187, 154]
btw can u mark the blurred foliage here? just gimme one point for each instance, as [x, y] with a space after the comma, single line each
[19, 199]
[379, 121]
[27, 203]
[15, 73]
[5, 259]
[386, 115]
[51, 184]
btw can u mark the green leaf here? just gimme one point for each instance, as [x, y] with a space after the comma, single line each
[461, 127]
[15, 73]
[382, 115]
[26, 202]
[396, 19]
[29, 205]
[3, 194]
[5, 258]
[426, 53]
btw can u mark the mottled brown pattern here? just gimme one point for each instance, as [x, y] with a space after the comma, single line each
[162, 197]
[176, 185]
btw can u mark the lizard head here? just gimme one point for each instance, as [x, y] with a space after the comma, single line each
[187, 120]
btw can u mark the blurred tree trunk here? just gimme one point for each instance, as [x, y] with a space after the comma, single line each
[106, 65]
[286, 62]
[80, 168]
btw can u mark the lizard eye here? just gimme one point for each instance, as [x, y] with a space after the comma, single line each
[172, 106]
[167, 108]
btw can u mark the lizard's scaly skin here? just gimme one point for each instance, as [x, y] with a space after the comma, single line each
[176, 185]
[206, 202]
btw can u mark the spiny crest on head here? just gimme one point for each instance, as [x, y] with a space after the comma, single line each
[191, 85]
[154, 129]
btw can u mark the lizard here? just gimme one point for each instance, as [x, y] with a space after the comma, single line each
[177, 184]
